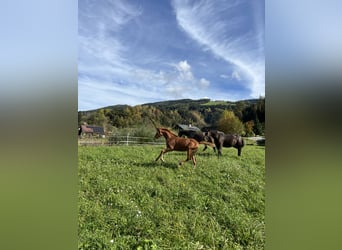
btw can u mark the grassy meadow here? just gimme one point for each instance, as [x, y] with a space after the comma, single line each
[129, 201]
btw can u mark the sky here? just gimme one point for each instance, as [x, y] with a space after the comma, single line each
[142, 51]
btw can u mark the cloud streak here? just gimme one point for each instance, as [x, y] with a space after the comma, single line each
[203, 22]
[106, 72]
[125, 58]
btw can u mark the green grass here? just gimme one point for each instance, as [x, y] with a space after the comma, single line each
[129, 201]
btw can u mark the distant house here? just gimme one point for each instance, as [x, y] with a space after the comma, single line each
[186, 127]
[91, 129]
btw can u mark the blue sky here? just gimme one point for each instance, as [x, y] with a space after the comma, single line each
[135, 52]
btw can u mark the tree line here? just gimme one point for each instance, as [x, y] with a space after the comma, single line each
[246, 117]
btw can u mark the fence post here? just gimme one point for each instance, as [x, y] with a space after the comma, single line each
[127, 139]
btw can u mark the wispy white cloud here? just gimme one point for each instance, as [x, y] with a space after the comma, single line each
[184, 66]
[216, 25]
[100, 93]
[100, 51]
[184, 70]
[139, 84]
[118, 65]
[106, 75]
[183, 82]
[203, 83]
[236, 75]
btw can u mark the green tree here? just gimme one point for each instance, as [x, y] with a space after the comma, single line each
[258, 128]
[249, 128]
[99, 118]
[197, 119]
[229, 123]
[81, 120]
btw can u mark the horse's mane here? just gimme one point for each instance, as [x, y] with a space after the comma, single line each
[168, 130]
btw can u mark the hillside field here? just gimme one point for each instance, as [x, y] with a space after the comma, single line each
[129, 201]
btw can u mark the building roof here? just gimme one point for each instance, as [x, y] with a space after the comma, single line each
[93, 129]
[187, 127]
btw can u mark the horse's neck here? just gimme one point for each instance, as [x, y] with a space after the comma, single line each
[168, 134]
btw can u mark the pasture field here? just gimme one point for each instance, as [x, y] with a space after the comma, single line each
[129, 201]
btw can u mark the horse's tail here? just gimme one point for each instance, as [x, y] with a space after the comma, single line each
[207, 143]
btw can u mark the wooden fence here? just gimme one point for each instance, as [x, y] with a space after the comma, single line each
[116, 140]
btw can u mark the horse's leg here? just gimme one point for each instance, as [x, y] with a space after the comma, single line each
[188, 156]
[160, 155]
[219, 153]
[214, 147]
[238, 147]
[239, 151]
[164, 151]
[218, 146]
[194, 160]
[192, 156]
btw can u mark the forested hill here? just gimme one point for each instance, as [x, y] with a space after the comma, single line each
[200, 113]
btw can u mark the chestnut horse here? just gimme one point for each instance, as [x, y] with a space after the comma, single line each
[173, 142]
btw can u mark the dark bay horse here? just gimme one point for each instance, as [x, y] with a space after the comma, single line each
[198, 136]
[226, 140]
[174, 142]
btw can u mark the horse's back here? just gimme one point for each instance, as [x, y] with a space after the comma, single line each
[237, 141]
[183, 144]
[229, 140]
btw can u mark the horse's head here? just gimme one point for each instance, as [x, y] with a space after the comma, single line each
[215, 134]
[158, 133]
[164, 132]
[181, 133]
[209, 134]
[206, 136]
